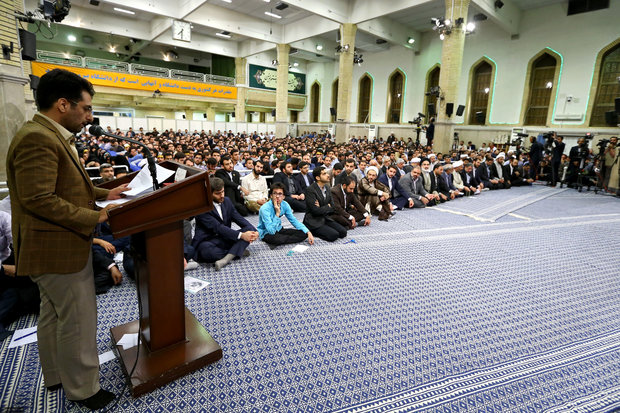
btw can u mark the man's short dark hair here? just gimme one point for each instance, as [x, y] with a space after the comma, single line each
[317, 172]
[302, 164]
[346, 180]
[277, 185]
[283, 164]
[258, 161]
[211, 161]
[217, 184]
[60, 83]
[392, 166]
[350, 160]
[225, 158]
[338, 166]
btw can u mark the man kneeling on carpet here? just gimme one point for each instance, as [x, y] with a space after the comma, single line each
[270, 221]
[215, 240]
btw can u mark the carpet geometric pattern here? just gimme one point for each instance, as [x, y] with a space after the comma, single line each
[430, 311]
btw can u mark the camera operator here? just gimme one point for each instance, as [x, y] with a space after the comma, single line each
[536, 154]
[556, 157]
[611, 153]
[430, 132]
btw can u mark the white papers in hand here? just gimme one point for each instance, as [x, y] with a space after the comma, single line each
[143, 181]
[128, 341]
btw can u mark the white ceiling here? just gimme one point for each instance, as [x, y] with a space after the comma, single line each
[304, 23]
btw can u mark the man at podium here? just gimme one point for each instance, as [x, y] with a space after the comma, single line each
[53, 218]
[215, 240]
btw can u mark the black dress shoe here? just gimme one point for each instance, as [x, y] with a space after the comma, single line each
[98, 400]
[54, 387]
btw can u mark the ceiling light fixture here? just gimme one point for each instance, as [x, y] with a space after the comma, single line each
[112, 49]
[295, 64]
[71, 38]
[270, 14]
[224, 34]
[124, 10]
[227, 1]
[411, 40]
[319, 47]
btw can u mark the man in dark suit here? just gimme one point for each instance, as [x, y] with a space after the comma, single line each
[536, 154]
[53, 218]
[485, 175]
[398, 196]
[517, 176]
[439, 185]
[349, 167]
[556, 159]
[469, 177]
[293, 194]
[232, 183]
[215, 240]
[319, 207]
[304, 177]
[348, 210]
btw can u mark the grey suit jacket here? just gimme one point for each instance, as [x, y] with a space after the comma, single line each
[415, 191]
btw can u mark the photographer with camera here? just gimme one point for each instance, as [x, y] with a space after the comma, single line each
[536, 154]
[430, 132]
[556, 158]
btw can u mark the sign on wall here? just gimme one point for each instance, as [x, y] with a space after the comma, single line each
[267, 78]
[138, 82]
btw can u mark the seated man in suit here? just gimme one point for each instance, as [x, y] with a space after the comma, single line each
[334, 173]
[439, 185]
[214, 240]
[485, 174]
[412, 184]
[232, 182]
[449, 178]
[457, 180]
[293, 194]
[348, 210]
[270, 221]
[304, 177]
[517, 176]
[375, 195]
[469, 177]
[349, 167]
[319, 207]
[398, 196]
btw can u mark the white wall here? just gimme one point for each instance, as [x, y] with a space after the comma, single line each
[577, 38]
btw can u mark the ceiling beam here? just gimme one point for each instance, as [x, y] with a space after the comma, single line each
[363, 10]
[251, 47]
[201, 43]
[309, 45]
[392, 31]
[334, 10]
[508, 17]
[307, 27]
[221, 18]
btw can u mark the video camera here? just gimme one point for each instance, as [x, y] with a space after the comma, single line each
[418, 120]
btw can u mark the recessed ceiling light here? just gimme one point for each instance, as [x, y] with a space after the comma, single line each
[295, 64]
[319, 47]
[71, 38]
[411, 40]
[277, 16]
[124, 11]
[112, 49]
[223, 34]
[227, 1]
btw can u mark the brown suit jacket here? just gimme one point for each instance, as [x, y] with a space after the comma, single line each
[339, 205]
[52, 202]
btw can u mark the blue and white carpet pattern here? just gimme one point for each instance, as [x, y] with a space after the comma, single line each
[431, 311]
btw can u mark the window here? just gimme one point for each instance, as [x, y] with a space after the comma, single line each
[542, 78]
[608, 88]
[334, 99]
[395, 97]
[315, 97]
[432, 80]
[363, 107]
[479, 94]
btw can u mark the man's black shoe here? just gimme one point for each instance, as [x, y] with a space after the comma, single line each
[98, 400]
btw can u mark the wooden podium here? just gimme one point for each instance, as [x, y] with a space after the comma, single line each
[173, 342]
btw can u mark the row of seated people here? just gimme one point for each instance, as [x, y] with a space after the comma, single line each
[331, 206]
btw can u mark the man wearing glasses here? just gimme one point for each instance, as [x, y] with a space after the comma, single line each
[53, 205]
[270, 221]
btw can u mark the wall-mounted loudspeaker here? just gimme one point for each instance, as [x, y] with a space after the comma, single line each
[611, 118]
[29, 44]
[204, 115]
[233, 115]
[431, 109]
[332, 111]
[449, 109]
[460, 110]
[273, 112]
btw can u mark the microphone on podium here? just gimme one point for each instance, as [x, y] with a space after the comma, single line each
[97, 130]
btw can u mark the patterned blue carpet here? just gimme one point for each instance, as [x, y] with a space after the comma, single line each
[432, 311]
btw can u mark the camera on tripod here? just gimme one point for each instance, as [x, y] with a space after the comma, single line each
[549, 139]
[418, 120]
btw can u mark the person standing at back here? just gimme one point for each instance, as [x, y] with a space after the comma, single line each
[53, 219]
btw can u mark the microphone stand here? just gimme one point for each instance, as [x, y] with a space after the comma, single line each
[98, 131]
